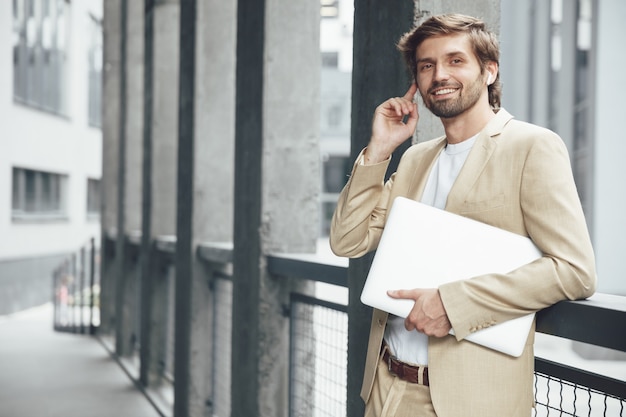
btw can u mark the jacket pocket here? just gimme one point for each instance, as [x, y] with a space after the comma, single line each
[492, 203]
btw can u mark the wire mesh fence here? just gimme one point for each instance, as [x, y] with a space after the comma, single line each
[558, 397]
[222, 331]
[318, 364]
[319, 357]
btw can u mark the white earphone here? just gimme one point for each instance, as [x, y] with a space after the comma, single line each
[489, 79]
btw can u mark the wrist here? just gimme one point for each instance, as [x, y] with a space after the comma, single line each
[372, 156]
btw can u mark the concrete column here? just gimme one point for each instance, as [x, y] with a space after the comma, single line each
[110, 113]
[540, 74]
[276, 188]
[116, 271]
[110, 158]
[378, 73]
[134, 119]
[212, 204]
[159, 78]
[129, 180]
[215, 121]
[165, 117]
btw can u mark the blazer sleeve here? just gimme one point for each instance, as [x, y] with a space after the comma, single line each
[554, 220]
[359, 217]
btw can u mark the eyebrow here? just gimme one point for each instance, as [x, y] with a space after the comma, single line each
[448, 55]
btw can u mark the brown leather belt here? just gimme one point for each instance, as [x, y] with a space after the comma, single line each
[405, 371]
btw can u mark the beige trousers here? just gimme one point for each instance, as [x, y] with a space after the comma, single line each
[393, 397]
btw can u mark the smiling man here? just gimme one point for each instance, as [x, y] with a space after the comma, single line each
[488, 167]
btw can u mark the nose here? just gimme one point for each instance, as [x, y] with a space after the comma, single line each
[440, 74]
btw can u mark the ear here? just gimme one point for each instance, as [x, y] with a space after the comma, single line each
[492, 71]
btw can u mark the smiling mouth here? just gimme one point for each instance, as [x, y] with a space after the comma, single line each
[444, 91]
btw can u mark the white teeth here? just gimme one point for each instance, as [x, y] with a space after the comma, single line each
[444, 91]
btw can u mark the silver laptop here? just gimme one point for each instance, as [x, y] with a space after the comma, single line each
[424, 247]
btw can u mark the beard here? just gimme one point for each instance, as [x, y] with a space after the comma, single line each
[453, 107]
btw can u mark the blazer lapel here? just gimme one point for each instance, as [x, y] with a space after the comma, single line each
[480, 154]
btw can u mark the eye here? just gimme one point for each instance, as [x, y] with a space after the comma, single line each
[457, 60]
[426, 67]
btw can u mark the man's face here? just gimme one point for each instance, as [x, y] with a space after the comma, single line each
[449, 75]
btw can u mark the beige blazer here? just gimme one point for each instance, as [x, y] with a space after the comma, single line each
[516, 177]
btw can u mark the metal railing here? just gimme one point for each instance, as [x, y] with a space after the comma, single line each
[318, 340]
[76, 291]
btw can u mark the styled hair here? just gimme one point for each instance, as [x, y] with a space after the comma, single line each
[485, 44]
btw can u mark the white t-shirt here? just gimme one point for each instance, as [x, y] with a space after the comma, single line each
[412, 347]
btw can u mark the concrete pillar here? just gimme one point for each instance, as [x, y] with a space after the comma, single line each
[156, 170]
[379, 72]
[114, 270]
[130, 180]
[110, 158]
[134, 119]
[215, 121]
[110, 113]
[212, 184]
[165, 117]
[276, 188]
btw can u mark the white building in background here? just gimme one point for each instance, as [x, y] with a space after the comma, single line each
[50, 142]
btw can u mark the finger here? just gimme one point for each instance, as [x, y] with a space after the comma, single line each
[403, 294]
[408, 325]
[400, 106]
[413, 116]
[410, 94]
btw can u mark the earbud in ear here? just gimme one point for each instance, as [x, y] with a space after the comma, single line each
[489, 79]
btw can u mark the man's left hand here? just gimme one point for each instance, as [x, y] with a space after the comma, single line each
[428, 314]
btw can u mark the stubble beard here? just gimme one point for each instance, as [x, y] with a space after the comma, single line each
[454, 106]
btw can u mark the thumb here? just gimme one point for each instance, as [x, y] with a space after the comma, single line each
[402, 294]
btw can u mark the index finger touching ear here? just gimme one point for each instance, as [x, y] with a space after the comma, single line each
[410, 94]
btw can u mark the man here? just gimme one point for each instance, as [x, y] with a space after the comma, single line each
[488, 167]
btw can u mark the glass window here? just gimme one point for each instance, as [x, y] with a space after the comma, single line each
[39, 54]
[38, 195]
[329, 8]
[330, 59]
[95, 73]
[93, 197]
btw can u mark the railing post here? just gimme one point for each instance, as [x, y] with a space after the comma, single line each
[81, 298]
[92, 285]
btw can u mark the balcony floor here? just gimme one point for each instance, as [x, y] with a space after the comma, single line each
[51, 374]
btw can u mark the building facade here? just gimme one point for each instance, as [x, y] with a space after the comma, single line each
[51, 143]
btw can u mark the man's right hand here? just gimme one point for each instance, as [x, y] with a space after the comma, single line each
[388, 128]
